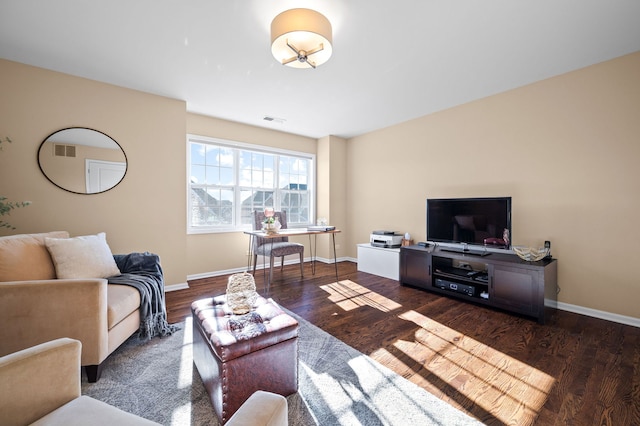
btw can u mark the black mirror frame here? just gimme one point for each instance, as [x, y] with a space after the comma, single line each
[126, 161]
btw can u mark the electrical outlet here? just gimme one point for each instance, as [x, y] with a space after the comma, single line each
[337, 246]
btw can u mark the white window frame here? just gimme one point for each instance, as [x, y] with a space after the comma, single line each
[238, 146]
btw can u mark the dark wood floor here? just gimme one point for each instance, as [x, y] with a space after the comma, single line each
[499, 368]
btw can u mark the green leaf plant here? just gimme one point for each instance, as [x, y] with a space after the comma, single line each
[5, 205]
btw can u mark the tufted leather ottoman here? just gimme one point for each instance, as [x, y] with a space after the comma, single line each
[237, 355]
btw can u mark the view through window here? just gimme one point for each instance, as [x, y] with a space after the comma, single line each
[229, 180]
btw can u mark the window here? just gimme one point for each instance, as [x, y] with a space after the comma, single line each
[227, 181]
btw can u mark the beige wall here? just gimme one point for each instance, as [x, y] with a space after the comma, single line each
[224, 251]
[566, 149]
[332, 194]
[146, 211]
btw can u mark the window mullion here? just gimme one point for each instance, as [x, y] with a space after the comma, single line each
[237, 191]
[276, 183]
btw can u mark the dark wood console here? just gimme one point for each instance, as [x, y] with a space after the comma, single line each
[499, 280]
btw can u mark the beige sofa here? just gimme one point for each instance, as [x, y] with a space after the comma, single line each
[41, 386]
[35, 307]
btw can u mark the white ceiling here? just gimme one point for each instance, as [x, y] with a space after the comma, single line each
[392, 60]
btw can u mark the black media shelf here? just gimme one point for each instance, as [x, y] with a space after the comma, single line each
[502, 281]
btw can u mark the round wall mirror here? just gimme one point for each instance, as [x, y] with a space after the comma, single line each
[82, 160]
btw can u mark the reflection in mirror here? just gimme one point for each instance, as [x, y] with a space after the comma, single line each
[81, 160]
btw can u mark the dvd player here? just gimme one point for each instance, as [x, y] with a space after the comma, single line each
[469, 290]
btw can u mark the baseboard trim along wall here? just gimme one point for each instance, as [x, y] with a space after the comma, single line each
[608, 316]
[176, 287]
[622, 319]
[182, 286]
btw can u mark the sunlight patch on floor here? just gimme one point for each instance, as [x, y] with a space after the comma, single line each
[349, 295]
[186, 360]
[182, 415]
[379, 386]
[373, 390]
[510, 390]
[335, 396]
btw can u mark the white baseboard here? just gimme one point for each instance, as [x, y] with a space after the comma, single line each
[258, 267]
[622, 319]
[176, 287]
[217, 273]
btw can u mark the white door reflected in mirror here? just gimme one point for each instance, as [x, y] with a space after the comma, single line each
[103, 175]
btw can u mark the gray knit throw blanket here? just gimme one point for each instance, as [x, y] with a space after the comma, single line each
[143, 271]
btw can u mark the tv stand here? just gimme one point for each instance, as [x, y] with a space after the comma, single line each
[502, 281]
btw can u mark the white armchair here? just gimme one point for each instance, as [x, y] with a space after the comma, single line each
[41, 386]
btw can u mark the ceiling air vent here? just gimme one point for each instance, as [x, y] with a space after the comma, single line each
[274, 119]
[64, 150]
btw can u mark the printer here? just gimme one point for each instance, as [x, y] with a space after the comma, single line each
[386, 239]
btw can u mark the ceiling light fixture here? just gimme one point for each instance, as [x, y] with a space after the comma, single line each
[301, 38]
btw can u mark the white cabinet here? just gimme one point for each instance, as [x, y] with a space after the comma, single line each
[384, 262]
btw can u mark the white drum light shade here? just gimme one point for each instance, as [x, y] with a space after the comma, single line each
[308, 31]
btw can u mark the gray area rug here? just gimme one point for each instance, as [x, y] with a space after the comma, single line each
[337, 386]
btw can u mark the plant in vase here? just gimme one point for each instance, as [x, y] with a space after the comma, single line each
[270, 223]
[7, 206]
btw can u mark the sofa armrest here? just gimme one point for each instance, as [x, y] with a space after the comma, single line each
[38, 380]
[34, 312]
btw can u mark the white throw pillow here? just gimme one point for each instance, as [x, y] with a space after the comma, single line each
[88, 256]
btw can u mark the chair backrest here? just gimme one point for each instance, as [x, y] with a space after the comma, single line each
[258, 219]
[38, 380]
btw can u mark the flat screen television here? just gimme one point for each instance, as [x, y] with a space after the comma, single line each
[482, 222]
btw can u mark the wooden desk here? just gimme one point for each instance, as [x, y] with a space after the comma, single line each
[292, 233]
